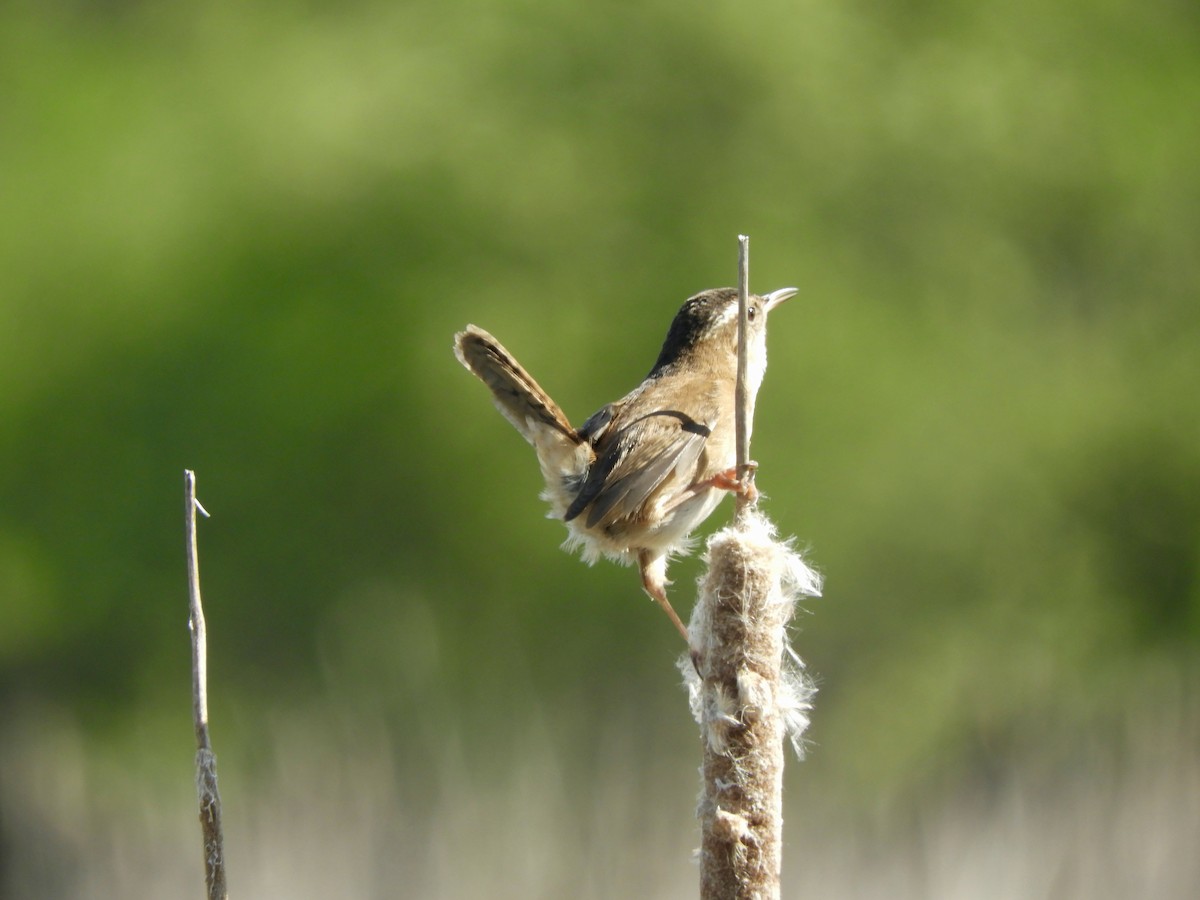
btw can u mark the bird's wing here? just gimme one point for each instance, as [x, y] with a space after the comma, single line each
[634, 458]
[593, 429]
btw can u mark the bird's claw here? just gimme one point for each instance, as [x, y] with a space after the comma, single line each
[729, 481]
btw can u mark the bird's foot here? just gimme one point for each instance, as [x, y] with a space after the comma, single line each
[729, 481]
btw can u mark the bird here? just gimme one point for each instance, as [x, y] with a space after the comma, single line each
[642, 473]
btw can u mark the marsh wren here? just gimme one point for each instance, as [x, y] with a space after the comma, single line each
[641, 474]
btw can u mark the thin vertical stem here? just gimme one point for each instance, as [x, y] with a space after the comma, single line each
[745, 469]
[206, 761]
[742, 431]
[196, 618]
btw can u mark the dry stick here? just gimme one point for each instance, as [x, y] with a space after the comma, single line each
[745, 469]
[741, 697]
[206, 761]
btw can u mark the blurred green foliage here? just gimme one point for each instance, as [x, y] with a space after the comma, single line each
[239, 237]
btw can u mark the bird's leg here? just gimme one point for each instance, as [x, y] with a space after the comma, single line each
[724, 481]
[654, 577]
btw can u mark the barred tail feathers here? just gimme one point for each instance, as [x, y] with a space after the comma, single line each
[515, 393]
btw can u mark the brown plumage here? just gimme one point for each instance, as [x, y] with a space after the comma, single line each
[642, 473]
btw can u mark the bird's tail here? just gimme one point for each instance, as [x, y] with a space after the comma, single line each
[515, 393]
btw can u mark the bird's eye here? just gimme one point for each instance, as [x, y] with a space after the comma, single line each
[751, 313]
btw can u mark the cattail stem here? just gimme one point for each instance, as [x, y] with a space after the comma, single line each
[747, 697]
[745, 469]
[746, 687]
[206, 760]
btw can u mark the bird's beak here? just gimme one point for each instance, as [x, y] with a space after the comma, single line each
[775, 298]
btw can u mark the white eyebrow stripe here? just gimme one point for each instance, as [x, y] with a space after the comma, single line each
[728, 314]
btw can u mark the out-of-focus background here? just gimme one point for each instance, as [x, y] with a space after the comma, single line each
[239, 237]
